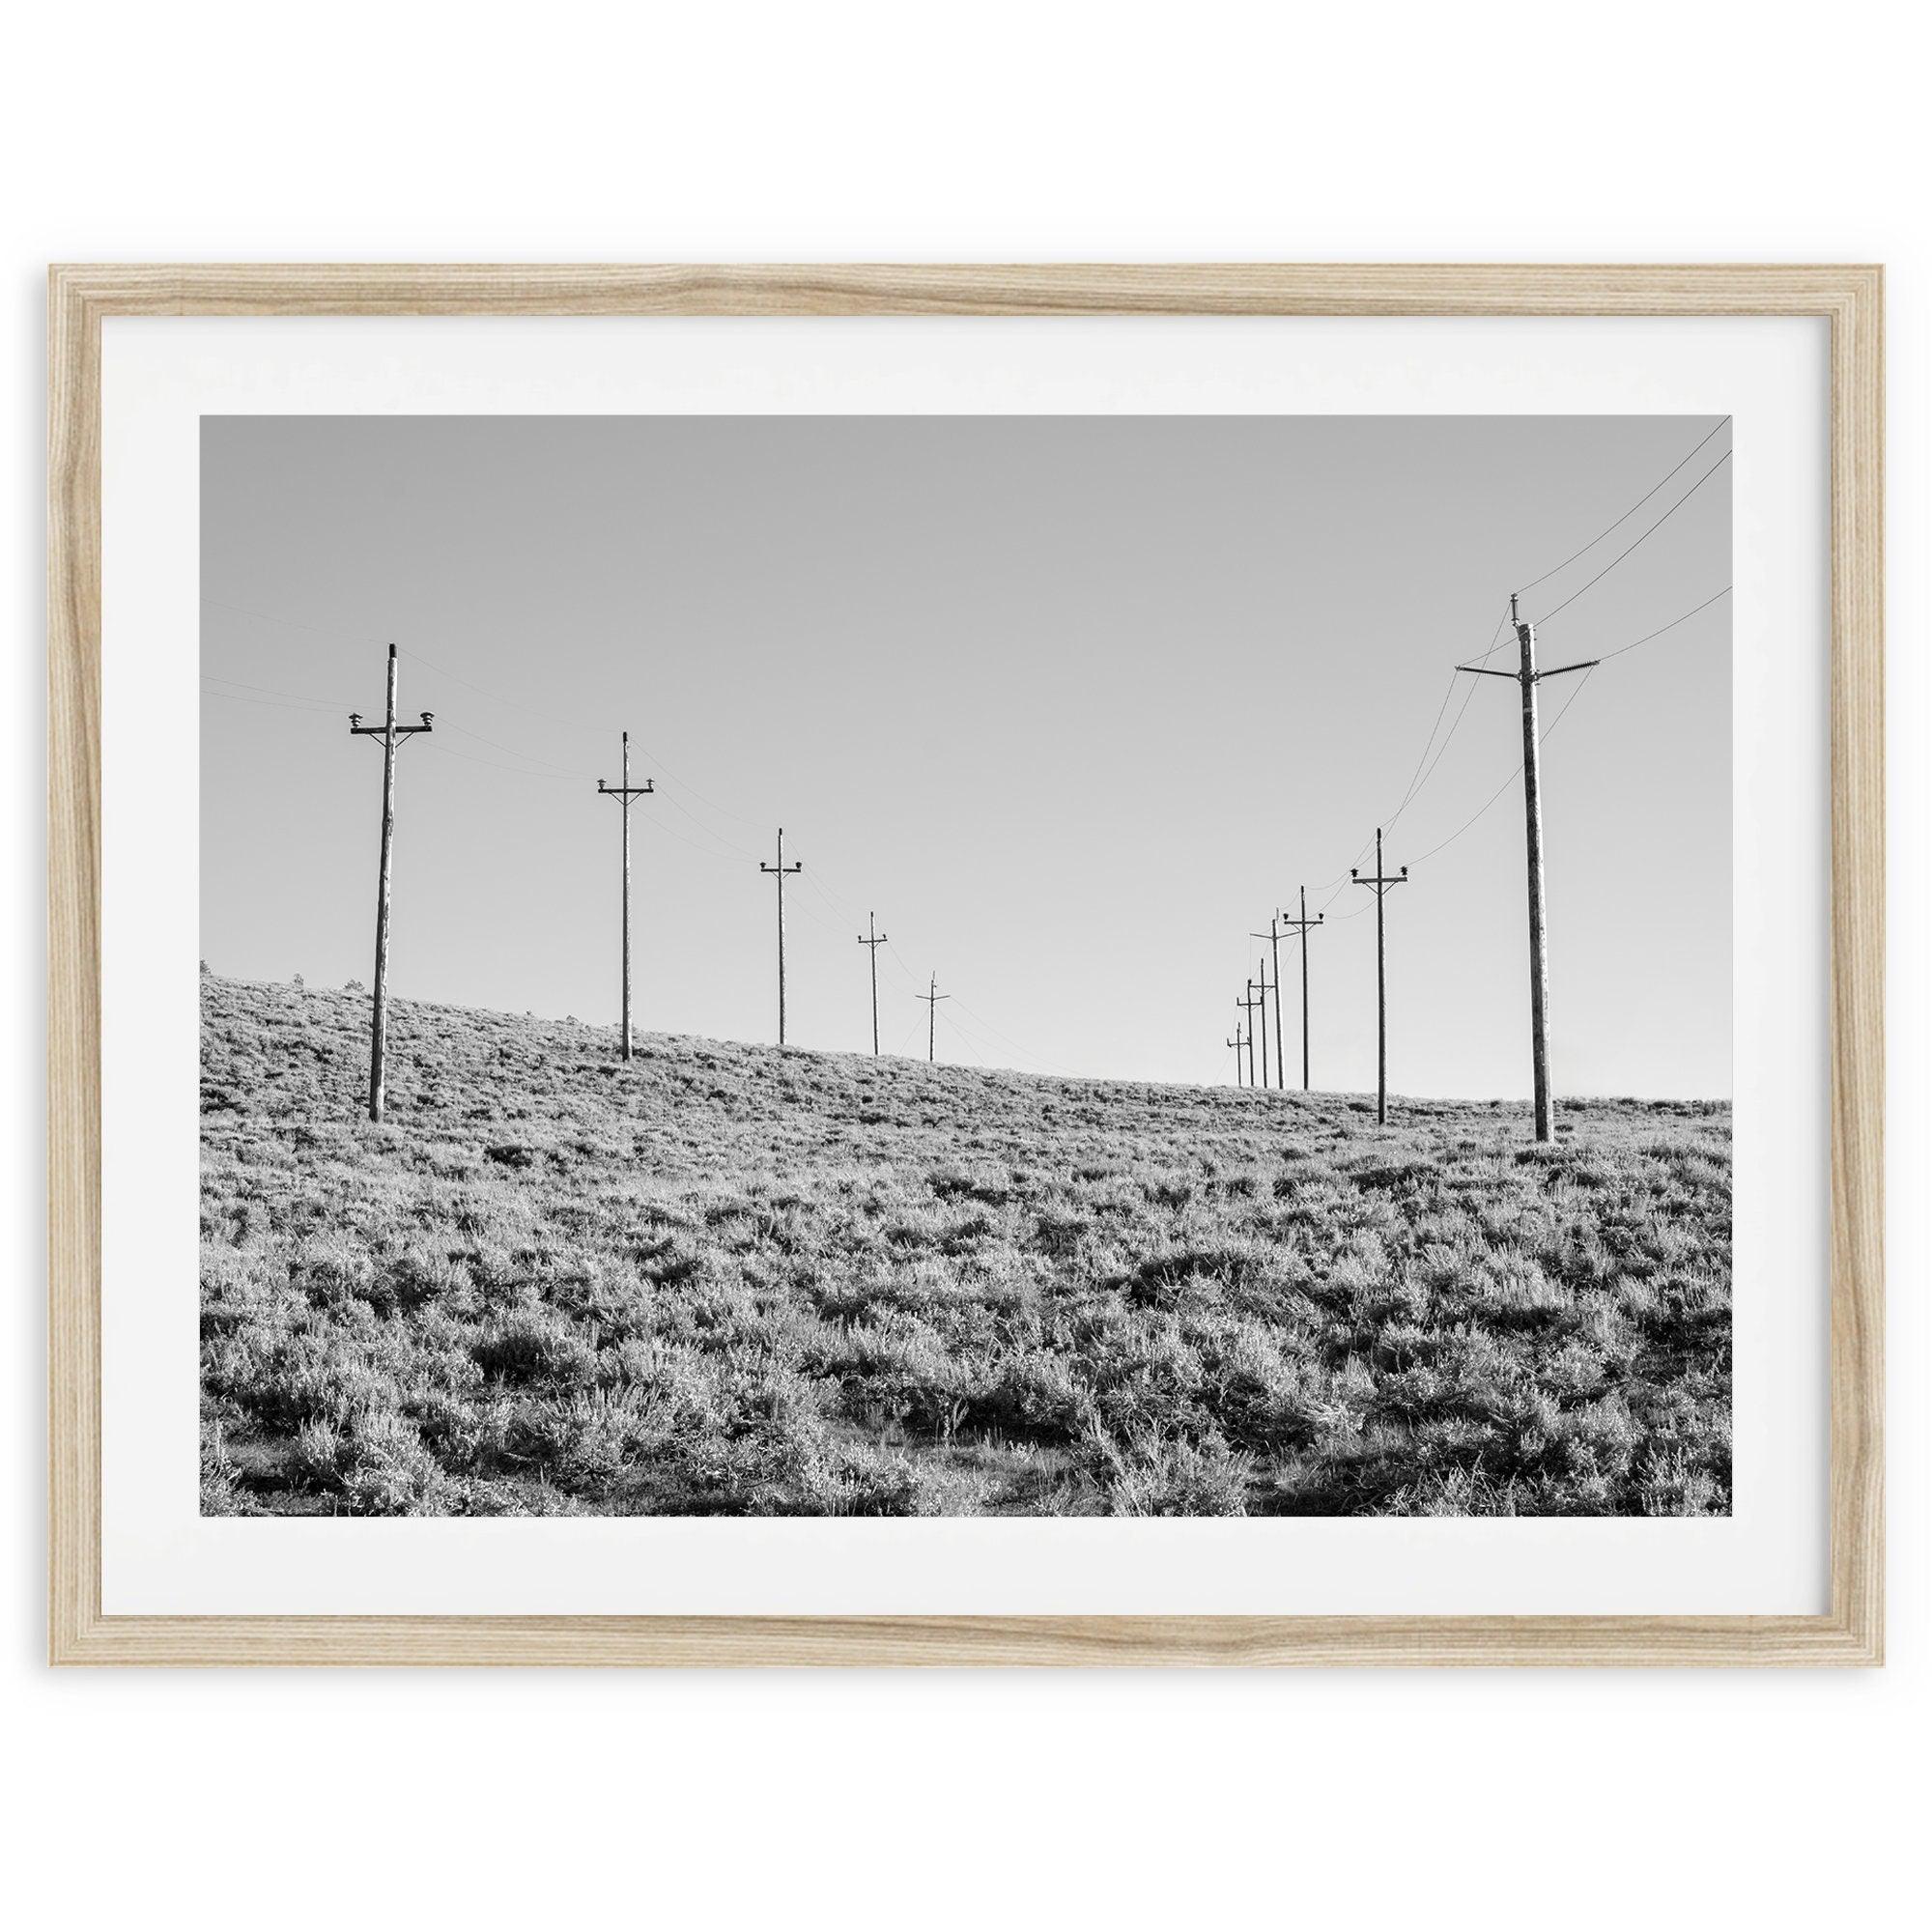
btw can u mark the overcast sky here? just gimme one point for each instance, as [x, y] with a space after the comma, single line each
[1073, 703]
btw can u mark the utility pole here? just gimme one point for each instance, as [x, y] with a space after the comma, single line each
[1274, 937]
[932, 998]
[1263, 987]
[1529, 677]
[624, 793]
[1302, 924]
[1235, 1043]
[391, 734]
[1248, 1006]
[778, 871]
[877, 940]
[1382, 886]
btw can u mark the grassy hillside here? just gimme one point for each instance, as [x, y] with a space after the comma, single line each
[724, 1279]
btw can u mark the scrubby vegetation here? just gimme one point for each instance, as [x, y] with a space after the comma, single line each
[729, 1280]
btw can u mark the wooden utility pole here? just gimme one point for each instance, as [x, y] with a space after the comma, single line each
[391, 734]
[1529, 677]
[1248, 1006]
[1236, 1043]
[1263, 987]
[1382, 886]
[778, 871]
[624, 793]
[1274, 937]
[876, 940]
[932, 998]
[1301, 926]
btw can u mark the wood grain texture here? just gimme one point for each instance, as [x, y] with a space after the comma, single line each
[1852, 297]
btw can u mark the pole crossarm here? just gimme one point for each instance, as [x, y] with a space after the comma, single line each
[1535, 677]
[359, 730]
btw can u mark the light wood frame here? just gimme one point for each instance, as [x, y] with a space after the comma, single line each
[1852, 297]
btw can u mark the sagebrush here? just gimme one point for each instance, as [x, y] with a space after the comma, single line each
[727, 1279]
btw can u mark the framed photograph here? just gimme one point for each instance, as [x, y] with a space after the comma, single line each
[966, 965]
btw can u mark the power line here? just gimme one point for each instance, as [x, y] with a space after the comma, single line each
[1026, 1052]
[1658, 526]
[1339, 884]
[496, 765]
[271, 691]
[561, 771]
[1662, 628]
[1623, 519]
[273, 703]
[292, 623]
[1511, 780]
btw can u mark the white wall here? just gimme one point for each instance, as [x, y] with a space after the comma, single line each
[1001, 131]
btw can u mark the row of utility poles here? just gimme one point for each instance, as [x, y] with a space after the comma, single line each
[1298, 924]
[1383, 882]
[1253, 1004]
[395, 735]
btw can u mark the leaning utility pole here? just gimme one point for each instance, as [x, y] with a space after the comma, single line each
[778, 871]
[877, 940]
[933, 999]
[1248, 1006]
[1274, 937]
[1302, 924]
[1529, 677]
[624, 793]
[391, 734]
[1236, 1043]
[1382, 886]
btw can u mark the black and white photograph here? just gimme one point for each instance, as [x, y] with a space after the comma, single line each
[955, 966]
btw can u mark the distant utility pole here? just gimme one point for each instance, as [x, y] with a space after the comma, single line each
[391, 734]
[877, 940]
[1248, 1006]
[1301, 926]
[1263, 987]
[624, 793]
[1529, 677]
[1382, 886]
[933, 999]
[1274, 937]
[1236, 1043]
[778, 871]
